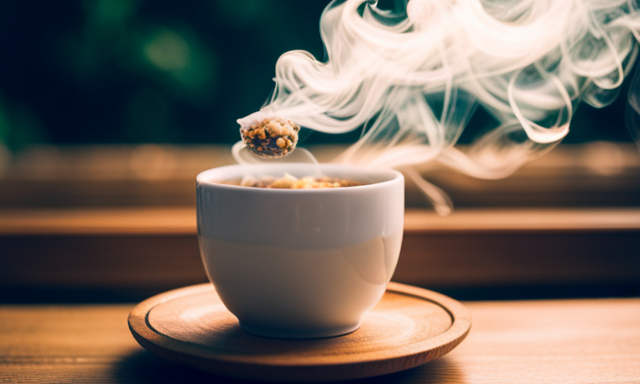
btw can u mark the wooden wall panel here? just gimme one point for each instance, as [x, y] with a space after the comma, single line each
[142, 251]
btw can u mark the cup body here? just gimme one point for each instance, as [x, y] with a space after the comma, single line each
[300, 263]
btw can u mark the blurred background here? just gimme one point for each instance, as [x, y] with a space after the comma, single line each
[125, 72]
[109, 108]
[135, 71]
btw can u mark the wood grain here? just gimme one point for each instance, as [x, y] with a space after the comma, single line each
[514, 342]
[407, 328]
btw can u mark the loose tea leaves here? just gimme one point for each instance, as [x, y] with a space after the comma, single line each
[271, 137]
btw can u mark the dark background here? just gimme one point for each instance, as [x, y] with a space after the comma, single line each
[74, 74]
[127, 71]
[135, 71]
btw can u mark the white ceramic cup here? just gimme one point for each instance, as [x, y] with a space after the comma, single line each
[300, 263]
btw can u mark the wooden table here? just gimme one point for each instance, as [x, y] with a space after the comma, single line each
[560, 341]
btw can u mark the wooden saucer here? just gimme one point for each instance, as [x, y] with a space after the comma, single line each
[408, 327]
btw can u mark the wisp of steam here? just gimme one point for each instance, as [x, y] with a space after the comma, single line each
[412, 77]
[633, 107]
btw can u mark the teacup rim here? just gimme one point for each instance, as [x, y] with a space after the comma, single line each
[394, 176]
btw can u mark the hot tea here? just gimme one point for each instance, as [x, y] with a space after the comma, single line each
[291, 182]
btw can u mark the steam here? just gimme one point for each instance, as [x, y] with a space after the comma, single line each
[411, 78]
[633, 108]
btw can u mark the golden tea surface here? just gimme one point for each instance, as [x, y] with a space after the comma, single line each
[291, 182]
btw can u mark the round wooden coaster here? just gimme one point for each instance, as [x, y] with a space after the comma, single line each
[408, 327]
